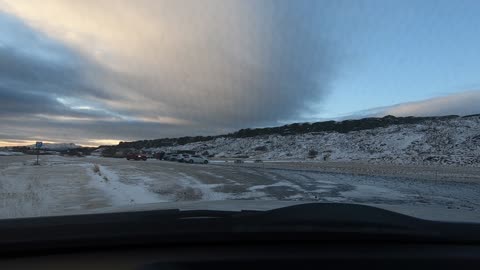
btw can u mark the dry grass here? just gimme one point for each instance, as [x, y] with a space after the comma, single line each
[96, 169]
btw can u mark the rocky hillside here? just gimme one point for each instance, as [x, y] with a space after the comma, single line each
[448, 140]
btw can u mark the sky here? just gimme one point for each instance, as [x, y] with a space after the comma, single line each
[103, 71]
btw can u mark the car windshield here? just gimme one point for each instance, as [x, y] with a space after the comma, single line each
[114, 105]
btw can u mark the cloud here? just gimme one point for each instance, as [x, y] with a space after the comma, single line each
[464, 103]
[153, 69]
[93, 132]
[217, 63]
[35, 72]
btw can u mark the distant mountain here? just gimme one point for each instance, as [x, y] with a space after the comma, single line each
[58, 146]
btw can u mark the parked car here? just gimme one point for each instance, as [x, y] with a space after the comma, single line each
[160, 155]
[183, 157]
[238, 161]
[173, 157]
[196, 159]
[136, 156]
[258, 161]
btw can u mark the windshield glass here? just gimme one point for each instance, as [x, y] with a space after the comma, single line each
[111, 104]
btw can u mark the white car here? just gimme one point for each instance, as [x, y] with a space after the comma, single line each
[196, 159]
[173, 157]
[183, 157]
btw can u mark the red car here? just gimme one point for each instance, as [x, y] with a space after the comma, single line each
[136, 157]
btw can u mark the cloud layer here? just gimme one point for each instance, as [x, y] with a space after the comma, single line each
[211, 65]
[100, 70]
[464, 103]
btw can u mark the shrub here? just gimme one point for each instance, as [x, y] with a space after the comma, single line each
[312, 153]
[261, 148]
[109, 152]
[96, 168]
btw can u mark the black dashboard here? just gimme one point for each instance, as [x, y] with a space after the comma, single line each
[309, 236]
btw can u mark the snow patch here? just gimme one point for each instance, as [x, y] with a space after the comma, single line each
[7, 153]
[118, 192]
[207, 192]
[369, 192]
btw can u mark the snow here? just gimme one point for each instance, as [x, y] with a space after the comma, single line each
[119, 193]
[21, 197]
[368, 192]
[61, 185]
[447, 142]
[281, 184]
[55, 186]
[207, 190]
[8, 153]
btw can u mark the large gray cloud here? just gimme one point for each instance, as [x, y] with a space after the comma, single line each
[253, 70]
[200, 67]
[162, 68]
[36, 71]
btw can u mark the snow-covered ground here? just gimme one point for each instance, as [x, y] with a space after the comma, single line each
[62, 185]
[447, 142]
[10, 153]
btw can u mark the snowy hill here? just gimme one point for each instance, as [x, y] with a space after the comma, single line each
[453, 141]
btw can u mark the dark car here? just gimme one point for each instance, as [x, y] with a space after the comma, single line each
[136, 156]
[159, 155]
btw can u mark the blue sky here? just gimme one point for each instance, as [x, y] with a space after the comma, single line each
[402, 51]
[108, 70]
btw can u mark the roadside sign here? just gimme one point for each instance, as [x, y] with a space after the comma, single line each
[38, 145]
